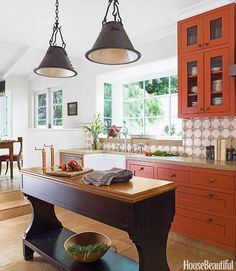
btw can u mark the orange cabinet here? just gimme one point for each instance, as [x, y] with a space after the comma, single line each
[206, 48]
[205, 30]
[141, 169]
[205, 200]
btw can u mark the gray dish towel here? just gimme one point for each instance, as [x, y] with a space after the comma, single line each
[107, 177]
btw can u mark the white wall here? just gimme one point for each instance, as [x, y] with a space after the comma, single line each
[81, 89]
[18, 88]
[61, 139]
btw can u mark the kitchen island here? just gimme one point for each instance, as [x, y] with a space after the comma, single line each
[142, 207]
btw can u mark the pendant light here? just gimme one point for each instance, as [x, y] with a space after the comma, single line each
[113, 46]
[56, 62]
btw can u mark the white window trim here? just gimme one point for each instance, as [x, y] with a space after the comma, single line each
[49, 106]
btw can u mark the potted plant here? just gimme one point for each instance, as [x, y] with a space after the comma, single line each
[95, 128]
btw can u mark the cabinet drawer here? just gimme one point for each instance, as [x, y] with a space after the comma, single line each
[212, 180]
[207, 200]
[142, 170]
[175, 175]
[209, 228]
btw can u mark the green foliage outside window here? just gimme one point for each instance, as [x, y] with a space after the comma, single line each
[157, 86]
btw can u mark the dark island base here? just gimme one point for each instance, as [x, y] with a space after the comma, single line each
[50, 245]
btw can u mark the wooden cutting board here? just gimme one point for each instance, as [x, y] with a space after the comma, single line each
[61, 173]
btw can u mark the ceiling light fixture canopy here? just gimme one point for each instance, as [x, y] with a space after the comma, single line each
[56, 62]
[113, 46]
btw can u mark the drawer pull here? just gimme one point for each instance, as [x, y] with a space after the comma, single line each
[210, 220]
[210, 181]
[211, 195]
[141, 168]
[172, 175]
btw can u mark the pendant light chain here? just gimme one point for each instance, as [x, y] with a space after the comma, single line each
[115, 12]
[56, 28]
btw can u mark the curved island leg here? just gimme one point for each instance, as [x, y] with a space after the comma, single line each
[152, 222]
[43, 219]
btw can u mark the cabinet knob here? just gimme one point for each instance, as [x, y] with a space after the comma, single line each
[201, 109]
[172, 175]
[199, 45]
[210, 220]
[210, 181]
[141, 168]
[211, 195]
[207, 109]
[206, 43]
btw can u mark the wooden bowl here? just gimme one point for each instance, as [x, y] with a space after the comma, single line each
[84, 239]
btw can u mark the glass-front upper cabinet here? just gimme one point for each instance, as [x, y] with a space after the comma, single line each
[217, 80]
[191, 35]
[216, 28]
[192, 83]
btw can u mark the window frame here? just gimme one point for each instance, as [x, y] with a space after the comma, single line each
[49, 108]
[143, 99]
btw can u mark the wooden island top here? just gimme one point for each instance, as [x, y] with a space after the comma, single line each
[137, 189]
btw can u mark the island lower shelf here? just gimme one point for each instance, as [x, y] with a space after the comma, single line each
[50, 245]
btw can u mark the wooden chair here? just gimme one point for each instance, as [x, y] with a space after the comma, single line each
[16, 157]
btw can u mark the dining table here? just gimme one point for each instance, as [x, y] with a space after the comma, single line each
[9, 144]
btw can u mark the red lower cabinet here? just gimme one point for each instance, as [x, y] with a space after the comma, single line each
[207, 227]
[205, 200]
[141, 169]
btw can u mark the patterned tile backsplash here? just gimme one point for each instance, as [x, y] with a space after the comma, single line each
[197, 134]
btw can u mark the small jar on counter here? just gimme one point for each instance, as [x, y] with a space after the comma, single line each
[210, 152]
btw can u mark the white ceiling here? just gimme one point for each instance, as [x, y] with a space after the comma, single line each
[26, 26]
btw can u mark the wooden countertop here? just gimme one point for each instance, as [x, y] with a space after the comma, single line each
[177, 160]
[137, 189]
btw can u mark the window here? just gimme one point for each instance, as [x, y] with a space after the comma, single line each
[57, 108]
[48, 111]
[107, 105]
[150, 107]
[42, 110]
[4, 116]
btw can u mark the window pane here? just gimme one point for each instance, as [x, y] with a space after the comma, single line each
[57, 112]
[57, 122]
[41, 122]
[153, 107]
[107, 91]
[134, 126]
[107, 109]
[173, 84]
[42, 100]
[107, 123]
[156, 126]
[157, 86]
[176, 126]
[133, 109]
[133, 90]
[174, 105]
[57, 97]
[42, 113]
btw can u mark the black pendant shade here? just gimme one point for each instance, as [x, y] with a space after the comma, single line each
[56, 64]
[113, 46]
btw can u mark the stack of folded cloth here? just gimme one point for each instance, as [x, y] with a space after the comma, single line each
[107, 177]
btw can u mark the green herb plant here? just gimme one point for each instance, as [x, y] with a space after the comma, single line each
[95, 128]
[89, 249]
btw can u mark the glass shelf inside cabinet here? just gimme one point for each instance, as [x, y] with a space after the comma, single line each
[216, 29]
[216, 81]
[192, 35]
[192, 84]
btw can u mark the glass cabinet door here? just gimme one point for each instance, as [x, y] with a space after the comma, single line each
[191, 35]
[216, 27]
[192, 84]
[217, 81]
